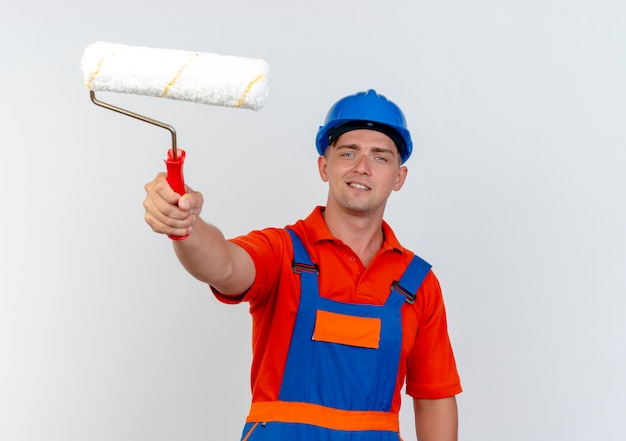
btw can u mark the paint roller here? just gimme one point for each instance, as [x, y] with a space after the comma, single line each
[200, 77]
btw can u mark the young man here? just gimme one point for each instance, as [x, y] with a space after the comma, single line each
[342, 313]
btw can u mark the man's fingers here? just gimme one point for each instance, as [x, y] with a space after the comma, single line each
[167, 212]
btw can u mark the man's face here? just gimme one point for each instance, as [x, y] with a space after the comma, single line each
[362, 168]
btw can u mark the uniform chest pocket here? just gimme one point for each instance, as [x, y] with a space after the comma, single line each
[347, 330]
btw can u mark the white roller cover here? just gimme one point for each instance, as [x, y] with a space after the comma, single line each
[200, 77]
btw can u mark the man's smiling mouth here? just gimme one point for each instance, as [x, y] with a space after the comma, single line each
[357, 185]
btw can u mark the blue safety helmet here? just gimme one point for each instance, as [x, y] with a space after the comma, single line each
[365, 110]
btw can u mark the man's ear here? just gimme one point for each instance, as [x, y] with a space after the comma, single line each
[401, 178]
[322, 165]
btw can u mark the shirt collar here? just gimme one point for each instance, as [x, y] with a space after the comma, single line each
[317, 230]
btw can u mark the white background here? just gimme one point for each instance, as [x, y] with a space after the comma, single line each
[515, 194]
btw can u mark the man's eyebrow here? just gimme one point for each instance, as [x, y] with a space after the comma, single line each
[347, 146]
[356, 147]
[384, 150]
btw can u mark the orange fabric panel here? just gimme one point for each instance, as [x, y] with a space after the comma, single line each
[317, 415]
[347, 329]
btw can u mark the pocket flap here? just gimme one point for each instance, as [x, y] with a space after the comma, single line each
[347, 329]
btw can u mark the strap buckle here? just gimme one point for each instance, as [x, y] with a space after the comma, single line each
[409, 296]
[300, 268]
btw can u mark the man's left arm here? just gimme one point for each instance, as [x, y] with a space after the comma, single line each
[436, 419]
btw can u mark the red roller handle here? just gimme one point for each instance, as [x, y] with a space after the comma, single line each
[175, 177]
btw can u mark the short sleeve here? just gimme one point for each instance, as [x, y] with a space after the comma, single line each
[431, 367]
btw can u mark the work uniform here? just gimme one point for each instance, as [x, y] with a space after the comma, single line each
[333, 341]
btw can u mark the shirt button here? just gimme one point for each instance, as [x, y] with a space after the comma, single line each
[352, 259]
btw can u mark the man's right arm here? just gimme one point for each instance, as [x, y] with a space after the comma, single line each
[205, 253]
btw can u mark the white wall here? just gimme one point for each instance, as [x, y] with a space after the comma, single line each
[515, 194]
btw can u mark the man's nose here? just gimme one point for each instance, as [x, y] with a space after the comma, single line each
[363, 165]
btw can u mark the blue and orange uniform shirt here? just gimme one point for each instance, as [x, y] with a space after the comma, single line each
[332, 350]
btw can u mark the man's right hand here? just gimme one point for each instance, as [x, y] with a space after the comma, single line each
[168, 212]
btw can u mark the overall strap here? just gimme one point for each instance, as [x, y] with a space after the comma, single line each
[303, 265]
[301, 260]
[412, 279]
